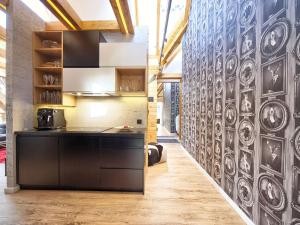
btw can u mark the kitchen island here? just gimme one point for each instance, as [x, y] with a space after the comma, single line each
[81, 158]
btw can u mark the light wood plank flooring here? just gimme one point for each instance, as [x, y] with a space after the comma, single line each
[176, 194]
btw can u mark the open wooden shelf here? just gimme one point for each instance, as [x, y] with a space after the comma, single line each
[131, 81]
[49, 69]
[47, 47]
[55, 52]
[52, 87]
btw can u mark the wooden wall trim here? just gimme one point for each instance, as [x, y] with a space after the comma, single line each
[2, 53]
[2, 33]
[158, 27]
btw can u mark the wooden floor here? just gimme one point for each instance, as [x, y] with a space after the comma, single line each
[162, 131]
[176, 193]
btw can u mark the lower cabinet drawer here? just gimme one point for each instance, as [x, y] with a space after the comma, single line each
[122, 158]
[118, 142]
[122, 179]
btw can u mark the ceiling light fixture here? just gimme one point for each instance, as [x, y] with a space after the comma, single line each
[122, 16]
[61, 14]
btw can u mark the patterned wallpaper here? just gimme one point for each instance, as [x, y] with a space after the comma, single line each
[241, 102]
[171, 105]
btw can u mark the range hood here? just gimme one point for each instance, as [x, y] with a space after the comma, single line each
[89, 81]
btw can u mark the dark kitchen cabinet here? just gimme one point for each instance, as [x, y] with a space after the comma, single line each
[85, 161]
[79, 161]
[122, 179]
[37, 159]
[81, 49]
[125, 153]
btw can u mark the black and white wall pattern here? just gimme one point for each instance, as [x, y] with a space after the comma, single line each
[241, 102]
[171, 105]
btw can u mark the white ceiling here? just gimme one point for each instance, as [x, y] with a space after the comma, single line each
[37, 7]
[97, 9]
[93, 9]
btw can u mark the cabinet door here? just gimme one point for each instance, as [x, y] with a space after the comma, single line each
[79, 161]
[89, 80]
[122, 179]
[125, 153]
[37, 161]
[123, 54]
[81, 48]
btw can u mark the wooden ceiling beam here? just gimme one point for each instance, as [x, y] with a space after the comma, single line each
[2, 33]
[174, 42]
[64, 13]
[176, 36]
[160, 88]
[173, 55]
[136, 5]
[123, 16]
[105, 25]
[187, 10]
[169, 76]
[3, 5]
[55, 26]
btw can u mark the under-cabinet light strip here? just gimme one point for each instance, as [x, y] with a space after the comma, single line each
[2, 6]
[61, 14]
[122, 15]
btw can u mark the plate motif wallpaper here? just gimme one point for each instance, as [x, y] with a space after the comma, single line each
[241, 102]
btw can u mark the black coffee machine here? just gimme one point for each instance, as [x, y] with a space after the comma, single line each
[50, 118]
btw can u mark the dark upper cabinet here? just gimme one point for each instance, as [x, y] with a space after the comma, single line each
[79, 161]
[81, 49]
[37, 161]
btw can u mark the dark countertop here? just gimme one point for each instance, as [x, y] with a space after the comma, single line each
[102, 131]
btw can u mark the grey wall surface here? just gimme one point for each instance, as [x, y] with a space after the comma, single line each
[241, 102]
[21, 21]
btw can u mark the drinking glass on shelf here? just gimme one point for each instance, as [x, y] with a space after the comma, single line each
[56, 82]
[45, 79]
[56, 63]
[51, 79]
[126, 82]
